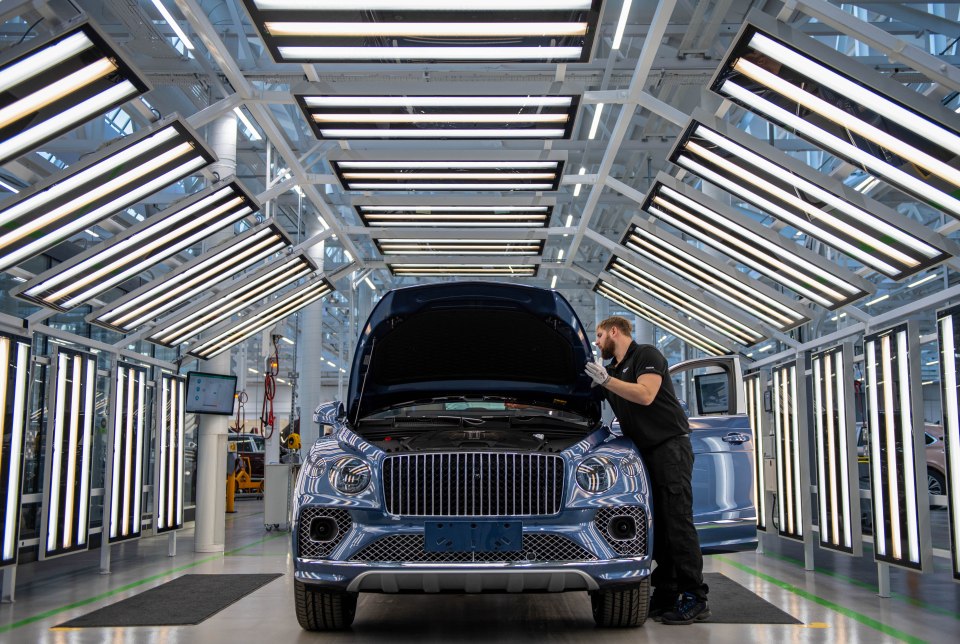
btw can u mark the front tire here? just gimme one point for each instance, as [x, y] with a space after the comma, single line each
[936, 483]
[623, 607]
[322, 610]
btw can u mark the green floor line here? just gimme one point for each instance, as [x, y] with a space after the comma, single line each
[846, 612]
[918, 603]
[83, 602]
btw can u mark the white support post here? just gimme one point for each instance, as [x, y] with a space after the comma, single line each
[883, 579]
[9, 575]
[104, 553]
[172, 544]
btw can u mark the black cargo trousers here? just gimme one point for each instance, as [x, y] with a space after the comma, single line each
[676, 547]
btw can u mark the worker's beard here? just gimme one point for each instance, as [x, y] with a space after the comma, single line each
[606, 349]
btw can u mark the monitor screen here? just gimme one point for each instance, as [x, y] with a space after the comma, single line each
[210, 393]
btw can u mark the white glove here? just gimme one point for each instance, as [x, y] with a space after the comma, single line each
[597, 372]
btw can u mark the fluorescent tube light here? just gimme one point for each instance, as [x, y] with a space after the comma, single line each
[427, 30]
[621, 25]
[421, 5]
[576, 187]
[597, 111]
[288, 340]
[948, 334]
[139, 248]
[923, 280]
[125, 453]
[98, 187]
[755, 414]
[553, 282]
[877, 300]
[254, 133]
[661, 318]
[464, 270]
[455, 216]
[168, 446]
[363, 102]
[461, 246]
[168, 17]
[82, 74]
[14, 383]
[159, 297]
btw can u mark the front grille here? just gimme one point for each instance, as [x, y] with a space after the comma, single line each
[636, 547]
[475, 484]
[310, 549]
[536, 547]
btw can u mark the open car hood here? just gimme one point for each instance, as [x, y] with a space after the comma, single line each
[472, 339]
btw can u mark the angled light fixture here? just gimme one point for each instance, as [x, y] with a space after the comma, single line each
[101, 185]
[901, 526]
[753, 387]
[221, 307]
[123, 491]
[138, 248]
[14, 400]
[662, 318]
[792, 450]
[845, 107]
[52, 85]
[439, 117]
[948, 334]
[809, 201]
[455, 216]
[465, 246]
[65, 524]
[426, 31]
[161, 296]
[838, 494]
[227, 335]
[462, 270]
[672, 253]
[449, 175]
[673, 294]
[724, 229]
[168, 447]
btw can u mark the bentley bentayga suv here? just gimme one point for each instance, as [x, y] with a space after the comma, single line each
[470, 457]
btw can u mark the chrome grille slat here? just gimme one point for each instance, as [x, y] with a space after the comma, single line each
[473, 484]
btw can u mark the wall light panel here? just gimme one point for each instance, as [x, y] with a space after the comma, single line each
[792, 450]
[948, 333]
[809, 201]
[168, 450]
[52, 85]
[70, 416]
[14, 401]
[843, 106]
[896, 447]
[753, 388]
[426, 31]
[226, 336]
[138, 248]
[191, 279]
[123, 491]
[677, 256]
[101, 185]
[449, 175]
[439, 117]
[222, 306]
[692, 306]
[745, 240]
[835, 431]
[662, 318]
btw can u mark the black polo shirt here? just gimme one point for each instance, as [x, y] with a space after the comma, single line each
[649, 425]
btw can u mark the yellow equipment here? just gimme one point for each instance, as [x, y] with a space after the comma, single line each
[292, 442]
[244, 482]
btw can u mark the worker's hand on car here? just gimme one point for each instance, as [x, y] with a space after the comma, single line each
[597, 372]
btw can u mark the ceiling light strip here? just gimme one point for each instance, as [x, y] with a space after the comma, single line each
[661, 319]
[421, 5]
[159, 297]
[58, 84]
[426, 270]
[447, 165]
[127, 171]
[487, 102]
[684, 263]
[426, 30]
[220, 308]
[444, 133]
[259, 320]
[689, 305]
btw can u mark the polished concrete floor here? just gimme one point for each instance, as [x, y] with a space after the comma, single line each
[836, 603]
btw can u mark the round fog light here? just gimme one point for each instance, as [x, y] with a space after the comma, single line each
[622, 528]
[323, 529]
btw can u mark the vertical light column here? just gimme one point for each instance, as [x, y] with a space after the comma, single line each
[792, 454]
[168, 464]
[835, 432]
[948, 332]
[70, 413]
[753, 387]
[14, 384]
[896, 442]
[124, 476]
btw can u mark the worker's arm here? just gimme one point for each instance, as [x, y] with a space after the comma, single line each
[642, 392]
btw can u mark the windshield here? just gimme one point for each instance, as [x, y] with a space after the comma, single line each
[480, 409]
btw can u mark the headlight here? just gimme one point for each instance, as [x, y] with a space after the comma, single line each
[317, 468]
[350, 475]
[595, 474]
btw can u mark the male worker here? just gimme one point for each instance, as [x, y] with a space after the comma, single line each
[638, 387]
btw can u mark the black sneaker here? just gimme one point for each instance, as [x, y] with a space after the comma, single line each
[689, 609]
[661, 603]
